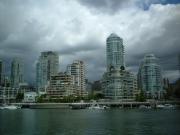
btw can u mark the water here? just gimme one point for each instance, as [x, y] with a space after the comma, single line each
[89, 122]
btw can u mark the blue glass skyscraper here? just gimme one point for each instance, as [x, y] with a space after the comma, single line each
[114, 52]
[149, 76]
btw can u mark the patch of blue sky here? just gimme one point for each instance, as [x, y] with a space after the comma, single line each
[145, 4]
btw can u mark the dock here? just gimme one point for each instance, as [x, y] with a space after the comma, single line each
[87, 104]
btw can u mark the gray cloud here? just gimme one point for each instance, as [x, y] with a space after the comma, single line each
[164, 45]
[113, 6]
[106, 6]
[27, 28]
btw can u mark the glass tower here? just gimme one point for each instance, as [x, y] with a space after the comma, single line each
[17, 72]
[114, 52]
[117, 83]
[46, 66]
[149, 75]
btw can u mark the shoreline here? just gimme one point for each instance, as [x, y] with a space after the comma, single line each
[83, 105]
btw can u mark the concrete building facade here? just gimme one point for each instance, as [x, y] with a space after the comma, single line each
[77, 69]
[61, 85]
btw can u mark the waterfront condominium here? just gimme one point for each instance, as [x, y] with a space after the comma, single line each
[17, 72]
[149, 76]
[47, 66]
[77, 69]
[117, 83]
[61, 85]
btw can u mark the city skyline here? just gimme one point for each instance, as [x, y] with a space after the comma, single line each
[78, 36]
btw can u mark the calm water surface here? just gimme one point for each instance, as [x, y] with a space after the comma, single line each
[89, 122]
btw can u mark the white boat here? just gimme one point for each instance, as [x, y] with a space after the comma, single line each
[166, 106]
[6, 104]
[10, 107]
[160, 106]
[144, 107]
[98, 107]
[169, 106]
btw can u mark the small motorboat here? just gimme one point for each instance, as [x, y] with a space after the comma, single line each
[160, 106]
[169, 106]
[144, 107]
[98, 107]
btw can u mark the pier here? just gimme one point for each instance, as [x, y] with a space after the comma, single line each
[87, 104]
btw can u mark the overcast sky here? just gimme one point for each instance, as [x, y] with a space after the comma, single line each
[78, 29]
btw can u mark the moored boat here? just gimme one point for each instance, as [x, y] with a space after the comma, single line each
[10, 107]
[160, 106]
[169, 106]
[165, 106]
[98, 107]
[144, 107]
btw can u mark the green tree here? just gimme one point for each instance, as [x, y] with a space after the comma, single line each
[41, 98]
[19, 97]
[141, 97]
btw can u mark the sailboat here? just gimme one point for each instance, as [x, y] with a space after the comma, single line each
[8, 106]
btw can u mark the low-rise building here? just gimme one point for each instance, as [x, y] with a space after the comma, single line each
[61, 85]
[30, 97]
[25, 87]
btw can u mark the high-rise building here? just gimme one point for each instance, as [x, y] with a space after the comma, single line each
[46, 67]
[17, 72]
[149, 76]
[1, 72]
[117, 83]
[77, 69]
[114, 52]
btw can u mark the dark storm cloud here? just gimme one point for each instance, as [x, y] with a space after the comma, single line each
[83, 47]
[106, 6]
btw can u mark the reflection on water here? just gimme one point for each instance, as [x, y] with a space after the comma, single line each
[89, 122]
